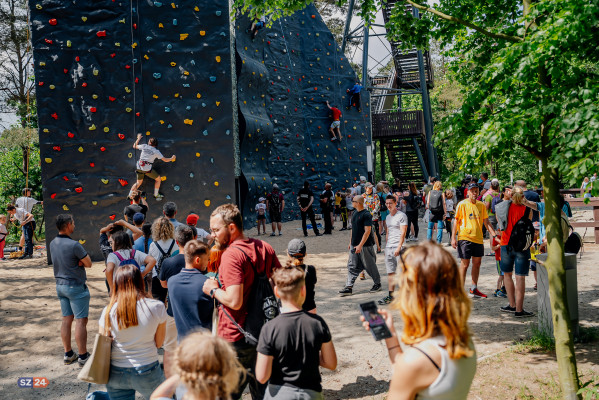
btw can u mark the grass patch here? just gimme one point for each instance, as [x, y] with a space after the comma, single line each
[589, 388]
[536, 341]
[587, 334]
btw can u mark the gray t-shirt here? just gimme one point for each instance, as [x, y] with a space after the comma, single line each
[66, 254]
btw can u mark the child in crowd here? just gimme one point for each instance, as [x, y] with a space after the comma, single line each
[296, 250]
[261, 214]
[496, 247]
[3, 235]
[293, 345]
[207, 369]
[535, 250]
[450, 211]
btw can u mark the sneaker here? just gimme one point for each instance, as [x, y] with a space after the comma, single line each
[273, 234]
[70, 360]
[342, 229]
[523, 314]
[346, 291]
[385, 300]
[502, 293]
[362, 275]
[333, 139]
[319, 234]
[477, 293]
[508, 309]
[83, 359]
[280, 234]
[375, 288]
[24, 256]
[158, 196]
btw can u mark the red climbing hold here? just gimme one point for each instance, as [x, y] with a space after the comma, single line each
[136, 80]
[101, 34]
[84, 84]
[55, 116]
[41, 83]
[134, 26]
[111, 98]
[91, 164]
[93, 109]
[268, 42]
[65, 70]
[137, 114]
[127, 66]
[71, 135]
[102, 148]
[123, 182]
[313, 16]
[79, 189]
[112, 217]
[121, 136]
[53, 22]
[48, 41]
[113, 55]
[53, 195]
[56, 148]
[77, 58]
[65, 178]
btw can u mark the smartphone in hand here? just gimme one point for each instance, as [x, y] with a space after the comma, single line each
[375, 320]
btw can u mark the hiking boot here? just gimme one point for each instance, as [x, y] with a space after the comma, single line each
[523, 314]
[83, 359]
[477, 293]
[375, 288]
[385, 300]
[499, 293]
[508, 309]
[70, 360]
[346, 291]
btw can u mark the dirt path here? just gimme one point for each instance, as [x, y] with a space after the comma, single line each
[31, 346]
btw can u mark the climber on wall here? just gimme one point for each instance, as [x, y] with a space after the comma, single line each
[354, 97]
[149, 154]
[335, 126]
[256, 26]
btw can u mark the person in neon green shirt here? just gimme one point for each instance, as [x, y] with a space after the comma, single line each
[470, 216]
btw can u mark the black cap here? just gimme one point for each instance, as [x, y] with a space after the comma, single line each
[472, 186]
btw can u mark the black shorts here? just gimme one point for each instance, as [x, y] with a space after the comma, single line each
[468, 249]
[260, 217]
[275, 216]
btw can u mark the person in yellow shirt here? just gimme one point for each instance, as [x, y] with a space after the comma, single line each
[470, 216]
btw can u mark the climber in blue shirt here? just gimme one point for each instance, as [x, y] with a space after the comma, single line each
[354, 96]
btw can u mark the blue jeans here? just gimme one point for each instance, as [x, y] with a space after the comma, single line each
[28, 234]
[518, 260]
[440, 227]
[124, 382]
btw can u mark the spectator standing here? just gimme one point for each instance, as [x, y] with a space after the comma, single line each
[585, 188]
[3, 235]
[275, 202]
[531, 196]
[382, 194]
[261, 215]
[437, 360]
[305, 199]
[373, 205]
[449, 212]
[137, 325]
[397, 225]
[240, 262]
[296, 252]
[169, 210]
[435, 202]
[492, 194]
[143, 243]
[69, 260]
[27, 223]
[123, 253]
[362, 255]
[413, 202]
[138, 205]
[496, 247]
[293, 345]
[486, 183]
[326, 206]
[467, 236]
[162, 247]
[27, 202]
[202, 235]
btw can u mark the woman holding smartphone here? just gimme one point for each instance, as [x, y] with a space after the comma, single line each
[435, 358]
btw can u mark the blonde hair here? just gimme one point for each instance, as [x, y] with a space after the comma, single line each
[518, 195]
[432, 299]
[449, 194]
[438, 185]
[289, 281]
[2, 216]
[208, 366]
[162, 229]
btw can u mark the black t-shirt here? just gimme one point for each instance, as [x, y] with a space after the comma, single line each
[105, 247]
[533, 196]
[304, 197]
[130, 211]
[294, 340]
[190, 306]
[359, 220]
[328, 205]
[170, 267]
[309, 303]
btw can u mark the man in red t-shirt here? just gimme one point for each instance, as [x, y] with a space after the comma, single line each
[336, 122]
[236, 277]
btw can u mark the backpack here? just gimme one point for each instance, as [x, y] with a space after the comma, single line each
[130, 260]
[163, 255]
[275, 203]
[523, 233]
[494, 202]
[382, 202]
[435, 201]
[262, 306]
[574, 242]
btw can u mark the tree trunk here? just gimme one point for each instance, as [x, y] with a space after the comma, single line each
[562, 326]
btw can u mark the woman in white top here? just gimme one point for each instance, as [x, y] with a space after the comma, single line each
[137, 326]
[122, 251]
[436, 359]
[162, 247]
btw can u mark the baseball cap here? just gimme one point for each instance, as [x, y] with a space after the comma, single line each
[368, 184]
[362, 178]
[261, 199]
[472, 186]
[275, 186]
[296, 247]
[192, 219]
[138, 218]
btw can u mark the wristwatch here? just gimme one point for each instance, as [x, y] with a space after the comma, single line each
[213, 291]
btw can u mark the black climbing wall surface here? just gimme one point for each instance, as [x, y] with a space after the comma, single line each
[109, 69]
[285, 75]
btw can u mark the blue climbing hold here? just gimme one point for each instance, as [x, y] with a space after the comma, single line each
[192, 62]
[166, 109]
[175, 22]
[186, 85]
[213, 79]
[218, 13]
[158, 4]
[169, 46]
[212, 160]
[191, 175]
[228, 132]
[205, 133]
[176, 188]
[203, 104]
[148, 38]
[188, 108]
[228, 197]
[157, 75]
[169, 126]
[135, 61]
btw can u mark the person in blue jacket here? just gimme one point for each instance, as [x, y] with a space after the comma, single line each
[354, 97]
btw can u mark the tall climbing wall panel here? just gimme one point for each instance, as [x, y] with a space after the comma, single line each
[285, 76]
[107, 70]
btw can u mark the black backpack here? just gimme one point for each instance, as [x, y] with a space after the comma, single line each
[262, 306]
[163, 255]
[523, 234]
[574, 242]
[382, 202]
[435, 201]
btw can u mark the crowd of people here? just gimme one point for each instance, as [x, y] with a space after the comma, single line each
[194, 293]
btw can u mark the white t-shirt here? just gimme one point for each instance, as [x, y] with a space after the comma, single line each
[149, 154]
[449, 204]
[154, 252]
[21, 214]
[26, 202]
[261, 206]
[394, 224]
[135, 346]
[126, 254]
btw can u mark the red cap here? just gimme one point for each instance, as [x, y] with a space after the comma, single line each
[192, 219]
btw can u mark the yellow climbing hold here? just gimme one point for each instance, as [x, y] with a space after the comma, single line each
[134, 45]
[173, 5]
[188, 121]
[218, 103]
[94, 96]
[146, 57]
[94, 202]
[69, 43]
[52, 87]
[163, 178]
[209, 119]
[217, 58]
[185, 72]
[160, 25]
[199, 96]
[197, 154]
[95, 72]
[70, 99]
[105, 181]
[42, 64]
[127, 89]
[46, 130]
[81, 241]
[216, 183]
[106, 129]
[207, 203]
[161, 122]
[130, 155]
[147, 133]
[196, 8]
[64, 207]
[48, 160]
[128, 109]
[202, 33]
[176, 94]
[183, 36]
[92, 128]
[173, 64]
[155, 96]
[117, 44]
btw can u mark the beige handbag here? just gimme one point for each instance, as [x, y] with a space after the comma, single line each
[97, 368]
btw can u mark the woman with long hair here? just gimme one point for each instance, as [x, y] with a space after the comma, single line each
[413, 201]
[436, 359]
[207, 369]
[123, 253]
[435, 202]
[137, 326]
[162, 247]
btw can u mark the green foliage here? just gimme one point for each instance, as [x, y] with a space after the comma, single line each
[590, 389]
[536, 341]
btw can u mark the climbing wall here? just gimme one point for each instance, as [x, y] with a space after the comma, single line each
[285, 76]
[107, 70]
